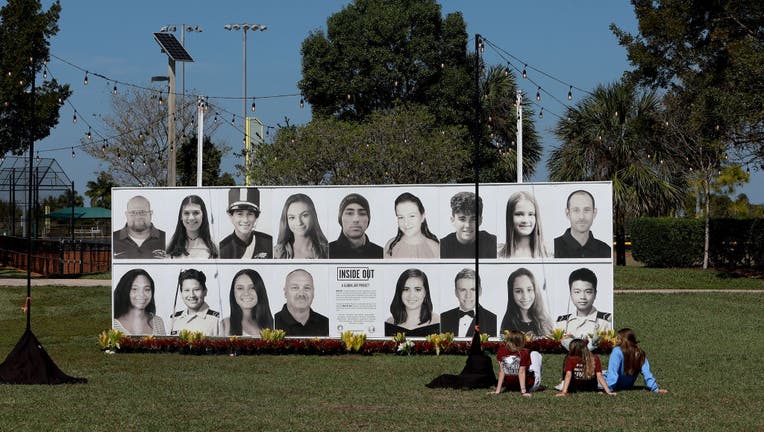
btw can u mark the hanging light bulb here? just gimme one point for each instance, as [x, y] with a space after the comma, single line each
[114, 90]
[38, 156]
[253, 105]
[525, 72]
[538, 95]
[442, 65]
[74, 118]
[103, 148]
[45, 73]
[233, 120]
[161, 101]
[215, 120]
[132, 161]
[302, 103]
[90, 135]
[140, 135]
[60, 101]
[570, 93]
[73, 154]
[85, 81]
[541, 113]
[348, 96]
[119, 154]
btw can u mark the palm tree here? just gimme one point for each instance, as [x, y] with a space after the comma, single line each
[613, 134]
[99, 191]
[498, 91]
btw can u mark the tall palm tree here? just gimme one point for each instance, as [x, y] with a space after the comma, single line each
[613, 134]
[99, 191]
[499, 157]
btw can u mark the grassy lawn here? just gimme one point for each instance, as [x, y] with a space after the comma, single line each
[709, 365]
[633, 277]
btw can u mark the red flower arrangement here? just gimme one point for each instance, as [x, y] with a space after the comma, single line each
[316, 346]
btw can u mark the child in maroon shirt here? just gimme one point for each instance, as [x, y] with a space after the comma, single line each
[519, 368]
[582, 370]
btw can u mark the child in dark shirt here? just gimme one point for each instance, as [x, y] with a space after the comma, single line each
[519, 368]
[582, 370]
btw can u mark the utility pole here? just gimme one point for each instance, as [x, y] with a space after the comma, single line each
[519, 136]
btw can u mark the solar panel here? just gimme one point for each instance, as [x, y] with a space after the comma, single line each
[172, 47]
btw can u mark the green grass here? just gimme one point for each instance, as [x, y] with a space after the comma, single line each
[705, 348]
[632, 277]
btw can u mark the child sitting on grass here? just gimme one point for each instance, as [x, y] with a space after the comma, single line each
[519, 368]
[582, 370]
[626, 362]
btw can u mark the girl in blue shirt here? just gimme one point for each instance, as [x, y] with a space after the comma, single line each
[626, 362]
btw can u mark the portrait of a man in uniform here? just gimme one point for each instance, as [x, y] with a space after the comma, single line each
[197, 317]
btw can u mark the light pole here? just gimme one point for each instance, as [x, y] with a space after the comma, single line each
[183, 29]
[245, 27]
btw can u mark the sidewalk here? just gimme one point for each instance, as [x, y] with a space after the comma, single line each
[14, 282]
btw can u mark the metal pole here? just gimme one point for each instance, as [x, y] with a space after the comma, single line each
[244, 101]
[171, 161]
[199, 140]
[30, 208]
[519, 136]
[476, 162]
[183, 67]
[71, 202]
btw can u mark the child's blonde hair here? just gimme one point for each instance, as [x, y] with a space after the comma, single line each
[579, 349]
[515, 340]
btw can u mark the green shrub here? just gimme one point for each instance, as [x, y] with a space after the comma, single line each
[736, 242]
[667, 242]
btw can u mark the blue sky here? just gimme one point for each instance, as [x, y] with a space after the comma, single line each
[568, 40]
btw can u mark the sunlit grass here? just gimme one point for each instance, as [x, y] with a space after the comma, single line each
[704, 348]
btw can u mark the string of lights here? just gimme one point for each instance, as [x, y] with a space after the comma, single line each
[527, 66]
[158, 93]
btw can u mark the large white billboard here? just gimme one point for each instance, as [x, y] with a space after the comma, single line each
[318, 261]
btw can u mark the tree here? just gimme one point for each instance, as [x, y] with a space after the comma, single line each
[63, 201]
[136, 147]
[25, 31]
[376, 53]
[211, 155]
[612, 134]
[498, 149]
[709, 54]
[99, 191]
[378, 56]
[402, 145]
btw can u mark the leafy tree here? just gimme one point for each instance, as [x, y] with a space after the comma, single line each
[25, 30]
[612, 135]
[402, 145]
[63, 201]
[186, 163]
[135, 146]
[99, 191]
[709, 54]
[377, 56]
[376, 53]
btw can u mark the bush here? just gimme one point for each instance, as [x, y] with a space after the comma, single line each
[667, 242]
[672, 242]
[737, 242]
